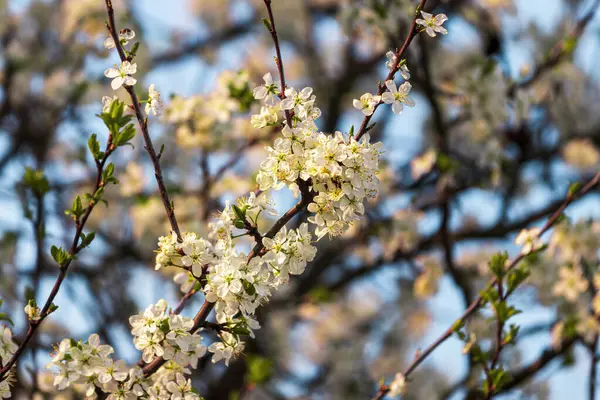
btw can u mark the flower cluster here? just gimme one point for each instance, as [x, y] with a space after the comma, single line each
[192, 253]
[158, 334]
[89, 366]
[396, 96]
[236, 284]
[334, 173]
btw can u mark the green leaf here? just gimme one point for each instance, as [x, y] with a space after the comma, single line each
[87, 239]
[497, 264]
[574, 188]
[124, 136]
[239, 224]
[99, 193]
[94, 147]
[511, 336]
[240, 330]
[134, 50]
[29, 293]
[5, 317]
[516, 277]
[60, 255]
[249, 287]
[241, 214]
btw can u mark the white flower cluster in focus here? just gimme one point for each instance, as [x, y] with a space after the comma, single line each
[89, 365]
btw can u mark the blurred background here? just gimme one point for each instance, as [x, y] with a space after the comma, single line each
[500, 130]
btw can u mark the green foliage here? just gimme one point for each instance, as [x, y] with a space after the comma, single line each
[86, 240]
[248, 287]
[77, 209]
[107, 174]
[118, 124]
[94, 147]
[61, 256]
[516, 277]
[497, 264]
[4, 316]
[445, 163]
[320, 294]
[242, 94]
[133, 52]
[499, 378]
[574, 188]
[260, 369]
[36, 181]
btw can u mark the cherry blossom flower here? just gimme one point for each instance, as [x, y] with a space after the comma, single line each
[121, 76]
[398, 96]
[433, 24]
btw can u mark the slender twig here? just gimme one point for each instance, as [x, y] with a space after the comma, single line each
[74, 250]
[560, 50]
[143, 123]
[422, 355]
[278, 59]
[397, 58]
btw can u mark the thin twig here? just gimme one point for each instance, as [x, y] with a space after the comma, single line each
[143, 123]
[397, 58]
[421, 356]
[74, 250]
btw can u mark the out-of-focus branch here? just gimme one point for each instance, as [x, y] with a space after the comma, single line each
[421, 356]
[73, 251]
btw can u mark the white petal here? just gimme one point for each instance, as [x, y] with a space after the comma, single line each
[109, 43]
[409, 101]
[116, 83]
[397, 107]
[391, 86]
[111, 73]
[260, 92]
[388, 98]
[129, 81]
[440, 19]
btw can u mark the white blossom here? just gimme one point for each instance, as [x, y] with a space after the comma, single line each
[154, 104]
[366, 103]
[433, 24]
[122, 75]
[397, 386]
[529, 240]
[268, 91]
[398, 96]
[124, 37]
